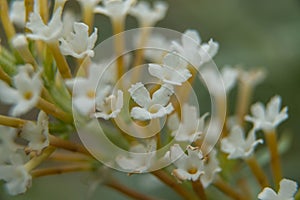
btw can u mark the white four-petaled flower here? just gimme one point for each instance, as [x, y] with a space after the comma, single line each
[237, 146]
[268, 118]
[48, 33]
[173, 71]
[110, 106]
[151, 108]
[191, 48]
[79, 44]
[37, 134]
[287, 190]
[115, 9]
[190, 127]
[146, 15]
[189, 166]
[24, 96]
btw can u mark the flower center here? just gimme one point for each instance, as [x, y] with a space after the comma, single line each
[192, 170]
[27, 95]
[91, 94]
[154, 109]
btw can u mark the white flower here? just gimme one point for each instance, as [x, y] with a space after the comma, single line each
[237, 146]
[154, 107]
[252, 77]
[192, 50]
[7, 143]
[48, 33]
[17, 13]
[146, 15]
[87, 89]
[17, 178]
[287, 190]
[110, 107]
[173, 71]
[229, 76]
[191, 126]
[37, 134]
[211, 168]
[68, 19]
[270, 117]
[140, 158]
[27, 92]
[79, 44]
[189, 166]
[115, 9]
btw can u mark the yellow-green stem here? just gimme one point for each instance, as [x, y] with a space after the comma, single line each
[6, 22]
[243, 101]
[228, 190]
[258, 172]
[61, 170]
[51, 109]
[60, 60]
[88, 17]
[11, 121]
[29, 4]
[36, 161]
[271, 138]
[185, 194]
[127, 191]
[199, 189]
[4, 76]
[118, 28]
[44, 10]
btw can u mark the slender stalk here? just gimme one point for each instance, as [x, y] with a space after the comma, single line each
[4, 76]
[226, 189]
[88, 17]
[258, 172]
[185, 194]
[60, 60]
[36, 161]
[244, 97]
[28, 8]
[51, 109]
[199, 189]
[6, 22]
[74, 147]
[118, 28]
[61, 170]
[127, 191]
[271, 138]
[69, 157]
[44, 10]
[11, 121]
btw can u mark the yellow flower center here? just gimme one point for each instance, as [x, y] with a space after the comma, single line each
[27, 95]
[193, 170]
[91, 94]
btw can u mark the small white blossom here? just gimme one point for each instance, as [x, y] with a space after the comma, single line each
[7, 143]
[148, 16]
[17, 13]
[140, 158]
[26, 92]
[189, 166]
[287, 191]
[17, 178]
[154, 107]
[19, 41]
[87, 89]
[252, 77]
[193, 51]
[40, 31]
[37, 134]
[173, 71]
[237, 146]
[190, 127]
[79, 44]
[268, 118]
[211, 167]
[110, 107]
[229, 76]
[115, 9]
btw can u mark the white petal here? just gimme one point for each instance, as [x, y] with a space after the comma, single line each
[140, 94]
[267, 194]
[140, 114]
[162, 95]
[287, 188]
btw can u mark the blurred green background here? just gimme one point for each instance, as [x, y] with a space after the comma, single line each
[257, 33]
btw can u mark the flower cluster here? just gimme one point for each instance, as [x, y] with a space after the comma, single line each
[50, 65]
